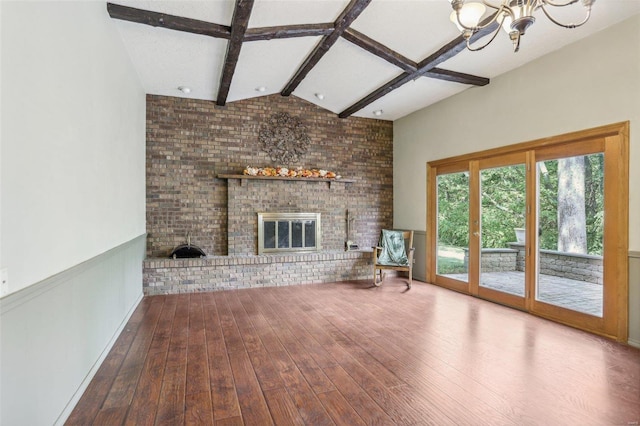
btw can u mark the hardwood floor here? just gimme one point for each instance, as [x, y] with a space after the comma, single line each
[347, 353]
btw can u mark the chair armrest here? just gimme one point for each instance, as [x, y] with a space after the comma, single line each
[376, 252]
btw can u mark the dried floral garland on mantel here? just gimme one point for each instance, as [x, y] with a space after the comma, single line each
[297, 172]
[284, 138]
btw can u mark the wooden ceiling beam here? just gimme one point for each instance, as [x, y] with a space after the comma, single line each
[380, 50]
[238, 33]
[171, 22]
[407, 64]
[239, 23]
[288, 31]
[425, 66]
[348, 15]
[456, 77]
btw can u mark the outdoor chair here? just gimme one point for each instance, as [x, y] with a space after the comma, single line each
[391, 254]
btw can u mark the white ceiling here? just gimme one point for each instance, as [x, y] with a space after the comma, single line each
[166, 59]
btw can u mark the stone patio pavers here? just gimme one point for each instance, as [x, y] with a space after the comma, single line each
[571, 294]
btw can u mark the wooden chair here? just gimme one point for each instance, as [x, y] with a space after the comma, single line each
[409, 249]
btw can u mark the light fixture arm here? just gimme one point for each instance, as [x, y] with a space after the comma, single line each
[495, 33]
[515, 16]
[553, 3]
[587, 4]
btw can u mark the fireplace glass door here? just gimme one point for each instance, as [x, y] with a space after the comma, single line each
[288, 232]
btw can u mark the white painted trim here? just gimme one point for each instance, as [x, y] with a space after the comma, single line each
[94, 369]
[635, 254]
[20, 297]
[634, 343]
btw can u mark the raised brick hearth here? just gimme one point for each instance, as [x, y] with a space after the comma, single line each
[190, 143]
[164, 276]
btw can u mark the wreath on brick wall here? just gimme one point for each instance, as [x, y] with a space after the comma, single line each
[284, 138]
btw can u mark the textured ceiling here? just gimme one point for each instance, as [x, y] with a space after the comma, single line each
[166, 59]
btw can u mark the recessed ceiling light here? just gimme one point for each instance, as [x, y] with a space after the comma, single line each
[378, 112]
[184, 89]
[261, 89]
[319, 96]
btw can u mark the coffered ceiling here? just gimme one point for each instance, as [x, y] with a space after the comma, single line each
[350, 57]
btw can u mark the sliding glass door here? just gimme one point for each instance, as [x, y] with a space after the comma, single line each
[571, 224]
[502, 218]
[540, 226]
[452, 251]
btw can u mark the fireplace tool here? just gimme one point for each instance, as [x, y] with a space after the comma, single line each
[350, 245]
[187, 251]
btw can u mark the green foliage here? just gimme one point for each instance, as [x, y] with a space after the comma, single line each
[503, 205]
[453, 209]
[447, 265]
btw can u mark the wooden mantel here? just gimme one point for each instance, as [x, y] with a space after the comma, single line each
[306, 179]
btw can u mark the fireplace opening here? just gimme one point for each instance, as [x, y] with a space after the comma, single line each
[289, 232]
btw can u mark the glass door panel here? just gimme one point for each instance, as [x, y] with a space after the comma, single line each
[502, 229]
[571, 229]
[452, 250]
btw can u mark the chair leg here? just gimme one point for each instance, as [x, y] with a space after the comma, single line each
[375, 278]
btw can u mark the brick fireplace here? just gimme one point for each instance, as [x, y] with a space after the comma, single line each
[191, 143]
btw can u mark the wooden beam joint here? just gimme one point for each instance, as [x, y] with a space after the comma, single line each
[426, 68]
[348, 15]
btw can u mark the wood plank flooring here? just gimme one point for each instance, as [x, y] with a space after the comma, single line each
[352, 354]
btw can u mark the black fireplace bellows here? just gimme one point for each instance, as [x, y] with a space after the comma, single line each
[187, 251]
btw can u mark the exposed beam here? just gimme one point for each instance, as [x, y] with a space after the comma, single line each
[380, 50]
[447, 51]
[171, 22]
[288, 31]
[407, 64]
[348, 15]
[239, 23]
[456, 77]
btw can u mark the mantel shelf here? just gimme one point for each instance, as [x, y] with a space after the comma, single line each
[305, 179]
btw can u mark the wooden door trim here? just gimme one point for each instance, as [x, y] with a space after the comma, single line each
[611, 139]
[581, 135]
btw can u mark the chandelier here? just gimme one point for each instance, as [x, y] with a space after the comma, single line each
[514, 16]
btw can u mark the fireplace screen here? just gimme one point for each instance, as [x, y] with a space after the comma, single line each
[288, 232]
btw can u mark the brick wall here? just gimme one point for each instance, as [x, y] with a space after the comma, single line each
[190, 142]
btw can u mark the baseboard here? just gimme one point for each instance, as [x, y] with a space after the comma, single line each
[94, 369]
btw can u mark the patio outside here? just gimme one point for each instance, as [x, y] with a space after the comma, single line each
[576, 294]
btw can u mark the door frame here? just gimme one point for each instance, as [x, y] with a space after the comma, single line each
[614, 139]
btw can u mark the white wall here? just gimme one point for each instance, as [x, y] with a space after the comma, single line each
[72, 214]
[73, 120]
[593, 82]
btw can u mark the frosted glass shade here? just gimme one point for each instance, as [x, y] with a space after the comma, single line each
[470, 15]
